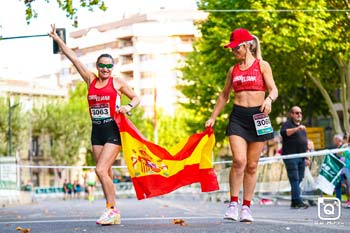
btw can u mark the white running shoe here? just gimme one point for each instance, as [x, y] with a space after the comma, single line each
[232, 212]
[246, 214]
[110, 216]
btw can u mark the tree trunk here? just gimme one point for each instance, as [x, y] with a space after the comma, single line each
[344, 69]
[332, 110]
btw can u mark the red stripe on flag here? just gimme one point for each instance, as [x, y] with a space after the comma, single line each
[156, 185]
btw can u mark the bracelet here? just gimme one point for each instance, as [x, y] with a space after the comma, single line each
[130, 105]
[272, 100]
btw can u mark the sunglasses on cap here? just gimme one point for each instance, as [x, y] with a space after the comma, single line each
[108, 66]
[237, 47]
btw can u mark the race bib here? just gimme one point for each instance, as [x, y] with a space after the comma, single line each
[262, 124]
[100, 111]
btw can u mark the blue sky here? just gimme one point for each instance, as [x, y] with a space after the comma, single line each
[30, 57]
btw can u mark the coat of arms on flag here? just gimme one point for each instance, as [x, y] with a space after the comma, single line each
[155, 170]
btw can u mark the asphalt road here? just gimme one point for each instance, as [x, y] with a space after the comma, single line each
[158, 214]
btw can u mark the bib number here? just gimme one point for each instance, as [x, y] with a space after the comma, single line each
[99, 112]
[262, 124]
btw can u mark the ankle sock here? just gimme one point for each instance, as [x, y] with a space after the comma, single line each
[234, 199]
[109, 206]
[246, 203]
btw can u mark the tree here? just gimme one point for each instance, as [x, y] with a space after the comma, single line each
[18, 126]
[339, 44]
[293, 42]
[174, 129]
[63, 127]
[67, 6]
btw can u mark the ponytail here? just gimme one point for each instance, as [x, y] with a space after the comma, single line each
[255, 48]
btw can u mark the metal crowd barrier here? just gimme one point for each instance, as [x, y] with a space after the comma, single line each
[272, 180]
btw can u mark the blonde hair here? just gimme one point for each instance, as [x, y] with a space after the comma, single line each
[255, 48]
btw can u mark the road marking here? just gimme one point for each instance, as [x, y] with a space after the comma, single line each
[279, 222]
[123, 219]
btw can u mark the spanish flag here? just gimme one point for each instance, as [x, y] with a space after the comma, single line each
[156, 171]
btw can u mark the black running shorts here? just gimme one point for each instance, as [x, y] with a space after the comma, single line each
[242, 124]
[105, 131]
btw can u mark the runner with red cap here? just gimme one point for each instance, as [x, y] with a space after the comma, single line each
[249, 125]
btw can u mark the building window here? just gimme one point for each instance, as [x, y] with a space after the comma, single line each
[126, 60]
[145, 75]
[125, 43]
[147, 91]
[146, 57]
[187, 39]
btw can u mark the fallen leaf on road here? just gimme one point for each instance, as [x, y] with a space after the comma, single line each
[180, 222]
[23, 230]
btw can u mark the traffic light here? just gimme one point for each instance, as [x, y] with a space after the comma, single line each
[61, 32]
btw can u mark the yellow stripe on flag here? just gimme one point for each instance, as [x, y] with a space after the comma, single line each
[156, 171]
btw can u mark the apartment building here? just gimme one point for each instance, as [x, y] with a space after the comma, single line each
[148, 50]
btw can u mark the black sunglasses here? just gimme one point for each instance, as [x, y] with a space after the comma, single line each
[101, 65]
[237, 47]
[298, 113]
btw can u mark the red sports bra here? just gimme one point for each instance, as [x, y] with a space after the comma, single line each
[250, 79]
[102, 101]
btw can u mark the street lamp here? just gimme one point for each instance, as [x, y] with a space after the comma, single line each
[61, 32]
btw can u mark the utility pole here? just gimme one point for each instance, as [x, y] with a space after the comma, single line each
[10, 126]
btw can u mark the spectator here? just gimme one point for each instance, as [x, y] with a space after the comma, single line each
[342, 142]
[76, 189]
[346, 170]
[294, 141]
[90, 178]
[67, 189]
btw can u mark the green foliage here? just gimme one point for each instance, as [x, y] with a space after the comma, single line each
[3, 126]
[173, 129]
[294, 41]
[63, 127]
[67, 6]
[18, 125]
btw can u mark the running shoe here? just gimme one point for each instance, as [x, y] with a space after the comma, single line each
[298, 205]
[246, 214]
[232, 212]
[347, 205]
[110, 216]
[312, 203]
[266, 201]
